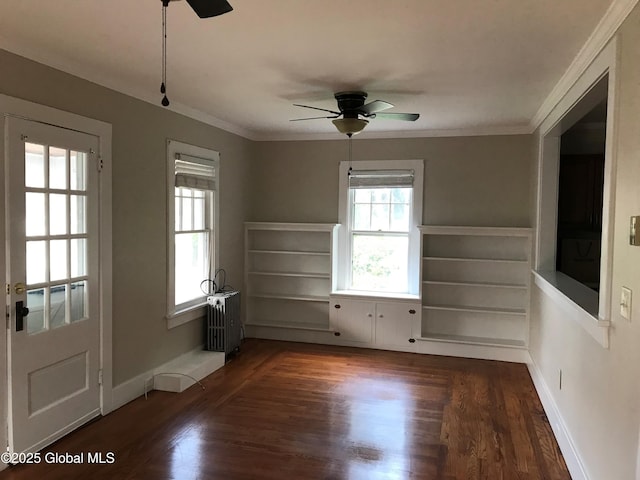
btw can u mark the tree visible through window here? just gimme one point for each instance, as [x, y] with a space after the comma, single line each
[380, 224]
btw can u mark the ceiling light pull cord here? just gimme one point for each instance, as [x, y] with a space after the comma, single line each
[350, 152]
[163, 85]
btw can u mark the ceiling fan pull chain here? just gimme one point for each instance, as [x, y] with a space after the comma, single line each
[163, 85]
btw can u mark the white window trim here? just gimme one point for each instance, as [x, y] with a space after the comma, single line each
[565, 290]
[192, 310]
[344, 212]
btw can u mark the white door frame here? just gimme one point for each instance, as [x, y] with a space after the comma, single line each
[13, 107]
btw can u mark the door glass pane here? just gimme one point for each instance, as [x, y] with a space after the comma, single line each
[36, 262]
[34, 165]
[35, 218]
[78, 214]
[78, 167]
[78, 257]
[57, 168]
[35, 304]
[58, 260]
[78, 301]
[57, 214]
[58, 303]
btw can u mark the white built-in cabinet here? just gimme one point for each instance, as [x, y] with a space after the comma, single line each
[474, 291]
[475, 285]
[384, 323]
[288, 274]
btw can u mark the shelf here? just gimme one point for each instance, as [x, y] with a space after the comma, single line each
[309, 328]
[301, 298]
[291, 227]
[292, 274]
[289, 252]
[483, 231]
[495, 342]
[467, 259]
[489, 310]
[476, 284]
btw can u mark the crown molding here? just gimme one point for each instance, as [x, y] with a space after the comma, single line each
[602, 34]
[117, 85]
[458, 132]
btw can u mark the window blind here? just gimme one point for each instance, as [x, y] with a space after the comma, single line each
[194, 172]
[380, 178]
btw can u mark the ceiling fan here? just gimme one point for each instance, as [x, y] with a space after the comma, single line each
[355, 112]
[204, 9]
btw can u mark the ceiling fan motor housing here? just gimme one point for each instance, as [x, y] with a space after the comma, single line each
[351, 103]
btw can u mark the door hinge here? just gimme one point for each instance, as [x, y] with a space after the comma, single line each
[8, 317]
[100, 377]
[100, 163]
[8, 289]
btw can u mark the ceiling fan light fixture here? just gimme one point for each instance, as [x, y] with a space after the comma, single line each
[350, 126]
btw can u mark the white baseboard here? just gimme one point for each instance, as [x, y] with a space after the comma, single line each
[467, 350]
[196, 363]
[431, 347]
[563, 436]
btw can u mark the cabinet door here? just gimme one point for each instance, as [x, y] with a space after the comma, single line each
[353, 319]
[394, 323]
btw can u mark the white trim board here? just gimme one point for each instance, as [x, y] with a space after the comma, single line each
[563, 436]
[10, 106]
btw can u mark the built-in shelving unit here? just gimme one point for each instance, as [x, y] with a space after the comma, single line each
[288, 274]
[475, 285]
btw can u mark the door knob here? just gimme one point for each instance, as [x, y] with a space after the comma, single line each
[21, 312]
[19, 288]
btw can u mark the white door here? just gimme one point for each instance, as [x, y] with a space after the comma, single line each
[52, 251]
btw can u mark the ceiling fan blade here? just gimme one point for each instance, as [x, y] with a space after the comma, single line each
[311, 118]
[375, 107]
[316, 108]
[409, 117]
[210, 8]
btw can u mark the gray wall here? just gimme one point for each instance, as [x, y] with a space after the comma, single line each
[141, 340]
[600, 398]
[479, 181]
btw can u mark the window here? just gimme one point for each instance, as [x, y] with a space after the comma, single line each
[192, 227]
[380, 209]
[574, 256]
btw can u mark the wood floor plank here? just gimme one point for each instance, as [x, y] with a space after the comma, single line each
[287, 410]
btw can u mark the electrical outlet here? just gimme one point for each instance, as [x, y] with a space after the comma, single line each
[625, 303]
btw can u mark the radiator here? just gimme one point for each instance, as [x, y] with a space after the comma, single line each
[222, 327]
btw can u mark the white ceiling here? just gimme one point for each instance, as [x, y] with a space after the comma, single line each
[464, 65]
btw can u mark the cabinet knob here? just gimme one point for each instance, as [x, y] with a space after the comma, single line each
[412, 340]
[369, 315]
[412, 311]
[381, 316]
[337, 334]
[337, 305]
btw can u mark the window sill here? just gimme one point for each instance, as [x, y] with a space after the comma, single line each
[579, 299]
[376, 295]
[186, 315]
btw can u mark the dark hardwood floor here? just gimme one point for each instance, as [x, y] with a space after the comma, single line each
[293, 411]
